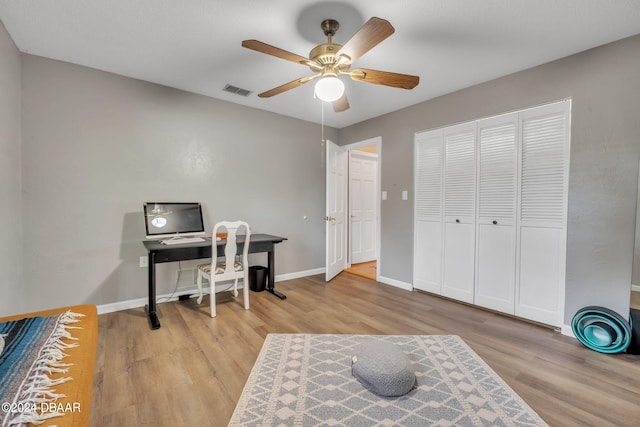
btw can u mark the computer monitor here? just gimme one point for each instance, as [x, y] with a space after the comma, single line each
[173, 219]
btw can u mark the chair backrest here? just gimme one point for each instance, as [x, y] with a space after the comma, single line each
[231, 247]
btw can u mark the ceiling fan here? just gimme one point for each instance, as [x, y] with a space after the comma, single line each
[329, 60]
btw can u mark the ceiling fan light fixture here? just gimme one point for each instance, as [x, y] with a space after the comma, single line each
[329, 88]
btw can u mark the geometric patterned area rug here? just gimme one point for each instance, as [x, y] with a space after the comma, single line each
[306, 380]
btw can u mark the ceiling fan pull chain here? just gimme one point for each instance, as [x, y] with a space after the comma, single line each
[322, 141]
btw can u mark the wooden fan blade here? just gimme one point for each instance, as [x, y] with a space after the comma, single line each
[259, 46]
[368, 36]
[341, 104]
[287, 86]
[403, 81]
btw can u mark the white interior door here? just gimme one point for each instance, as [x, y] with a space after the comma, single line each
[542, 213]
[336, 210]
[496, 216]
[459, 212]
[363, 171]
[427, 252]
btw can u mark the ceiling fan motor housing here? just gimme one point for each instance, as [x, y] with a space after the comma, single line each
[325, 54]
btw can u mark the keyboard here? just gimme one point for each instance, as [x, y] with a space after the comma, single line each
[182, 240]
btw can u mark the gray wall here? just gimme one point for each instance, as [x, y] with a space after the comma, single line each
[10, 211]
[604, 84]
[96, 145]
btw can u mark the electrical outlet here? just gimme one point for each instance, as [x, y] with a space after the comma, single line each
[144, 261]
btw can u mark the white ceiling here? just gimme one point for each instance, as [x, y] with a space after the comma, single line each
[194, 45]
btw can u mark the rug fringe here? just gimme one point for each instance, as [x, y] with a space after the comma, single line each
[37, 389]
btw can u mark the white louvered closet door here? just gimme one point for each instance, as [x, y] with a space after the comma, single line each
[427, 258]
[496, 219]
[459, 212]
[542, 213]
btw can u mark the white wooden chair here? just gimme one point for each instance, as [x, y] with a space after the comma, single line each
[229, 267]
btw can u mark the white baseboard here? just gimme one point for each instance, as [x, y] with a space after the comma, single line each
[635, 288]
[396, 283]
[299, 274]
[186, 290]
[566, 330]
[141, 302]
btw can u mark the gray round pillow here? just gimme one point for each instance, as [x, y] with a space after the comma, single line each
[383, 368]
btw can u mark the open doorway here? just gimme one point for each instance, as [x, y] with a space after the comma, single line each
[341, 220]
[364, 208]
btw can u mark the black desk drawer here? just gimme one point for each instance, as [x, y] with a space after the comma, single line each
[182, 254]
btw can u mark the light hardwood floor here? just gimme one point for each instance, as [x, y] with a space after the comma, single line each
[191, 371]
[364, 269]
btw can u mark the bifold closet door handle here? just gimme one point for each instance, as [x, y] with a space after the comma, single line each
[458, 221]
[495, 222]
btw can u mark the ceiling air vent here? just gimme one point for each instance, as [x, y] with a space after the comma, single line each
[236, 90]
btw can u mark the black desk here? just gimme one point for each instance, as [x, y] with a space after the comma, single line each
[159, 253]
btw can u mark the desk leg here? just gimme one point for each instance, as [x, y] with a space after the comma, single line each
[151, 307]
[271, 263]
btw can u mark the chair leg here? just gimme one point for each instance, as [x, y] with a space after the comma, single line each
[245, 291]
[235, 288]
[212, 298]
[199, 283]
